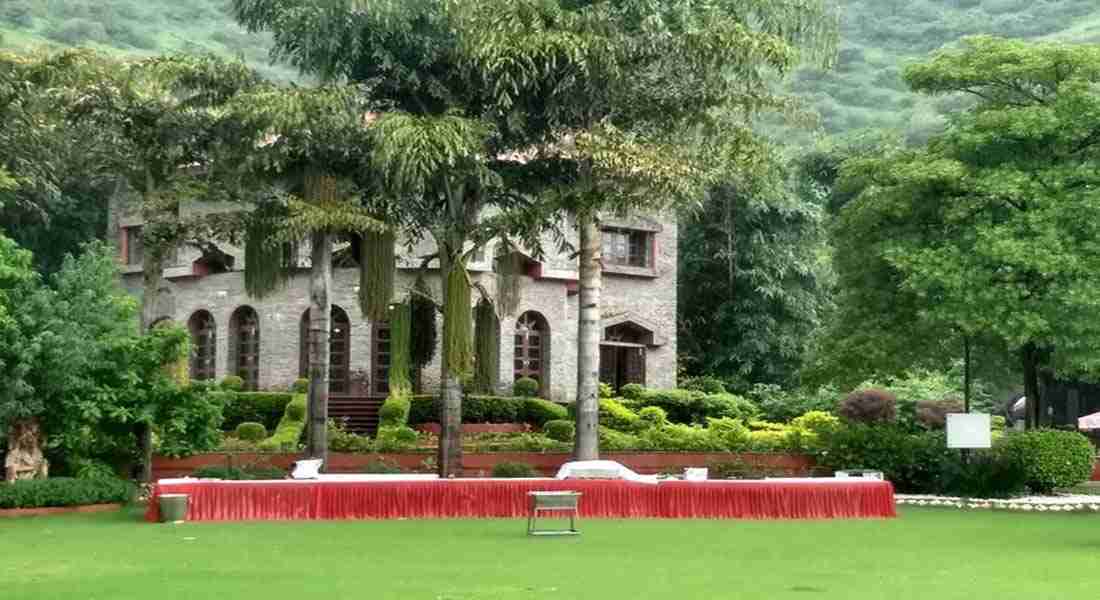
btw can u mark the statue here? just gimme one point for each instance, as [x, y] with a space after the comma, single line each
[25, 459]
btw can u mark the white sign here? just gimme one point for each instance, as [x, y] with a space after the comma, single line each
[968, 430]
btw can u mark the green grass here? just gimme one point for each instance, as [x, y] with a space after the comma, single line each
[924, 554]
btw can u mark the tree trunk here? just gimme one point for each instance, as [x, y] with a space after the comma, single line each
[152, 269]
[1030, 357]
[587, 441]
[450, 392]
[320, 317]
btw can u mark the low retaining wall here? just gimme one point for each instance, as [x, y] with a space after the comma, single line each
[481, 464]
[434, 428]
[58, 510]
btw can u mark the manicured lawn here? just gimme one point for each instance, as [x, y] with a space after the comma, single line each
[925, 554]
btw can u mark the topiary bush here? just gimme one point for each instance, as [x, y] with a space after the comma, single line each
[868, 406]
[395, 410]
[559, 430]
[300, 386]
[423, 409]
[653, 416]
[525, 387]
[538, 412]
[232, 383]
[1050, 458]
[395, 439]
[251, 432]
[266, 408]
[615, 415]
[492, 409]
[606, 391]
[64, 491]
[514, 470]
[632, 391]
[290, 428]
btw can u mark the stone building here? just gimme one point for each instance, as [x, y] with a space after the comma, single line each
[262, 340]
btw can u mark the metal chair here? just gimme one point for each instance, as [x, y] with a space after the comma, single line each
[554, 502]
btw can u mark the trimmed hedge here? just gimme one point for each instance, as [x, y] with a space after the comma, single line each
[525, 387]
[290, 427]
[63, 491]
[514, 470]
[265, 408]
[539, 412]
[690, 406]
[1050, 458]
[490, 409]
[395, 410]
[560, 430]
[239, 473]
[618, 417]
[251, 432]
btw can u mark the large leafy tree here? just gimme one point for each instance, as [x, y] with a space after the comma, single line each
[994, 226]
[754, 262]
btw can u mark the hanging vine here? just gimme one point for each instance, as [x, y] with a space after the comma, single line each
[423, 326]
[457, 321]
[400, 338]
[267, 260]
[487, 347]
[377, 264]
[509, 267]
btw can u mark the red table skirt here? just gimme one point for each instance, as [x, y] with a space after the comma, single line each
[503, 498]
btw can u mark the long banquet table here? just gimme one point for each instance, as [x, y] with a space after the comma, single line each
[393, 498]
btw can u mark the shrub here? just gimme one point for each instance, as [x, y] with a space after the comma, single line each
[731, 434]
[523, 442]
[777, 404]
[708, 384]
[911, 461]
[538, 412]
[611, 440]
[740, 469]
[190, 423]
[395, 439]
[676, 437]
[986, 475]
[395, 410]
[232, 383]
[817, 421]
[342, 440]
[87, 468]
[423, 409]
[246, 473]
[525, 387]
[559, 430]
[265, 408]
[932, 414]
[681, 406]
[491, 409]
[606, 391]
[76, 32]
[869, 406]
[381, 467]
[770, 440]
[251, 432]
[63, 491]
[300, 386]
[514, 470]
[633, 391]
[618, 417]
[725, 406]
[653, 416]
[1050, 459]
[290, 427]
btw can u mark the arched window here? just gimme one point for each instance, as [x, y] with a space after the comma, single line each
[532, 349]
[244, 354]
[380, 359]
[339, 347]
[204, 346]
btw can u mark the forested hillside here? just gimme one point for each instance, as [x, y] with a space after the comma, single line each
[865, 89]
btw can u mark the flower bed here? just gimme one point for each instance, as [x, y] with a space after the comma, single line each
[1067, 503]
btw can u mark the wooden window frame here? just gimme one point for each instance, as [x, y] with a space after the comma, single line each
[339, 369]
[532, 321]
[204, 345]
[246, 347]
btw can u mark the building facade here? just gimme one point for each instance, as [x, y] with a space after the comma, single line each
[263, 340]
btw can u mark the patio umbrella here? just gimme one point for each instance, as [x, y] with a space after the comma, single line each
[1088, 422]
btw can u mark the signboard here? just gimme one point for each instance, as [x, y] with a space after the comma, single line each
[968, 430]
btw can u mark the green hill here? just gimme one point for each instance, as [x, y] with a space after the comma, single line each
[865, 90]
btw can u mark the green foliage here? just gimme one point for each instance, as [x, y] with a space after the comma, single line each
[342, 440]
[633, 391]
[457, 322]
[560, 430]
[395, 439]
[395, 410]
[605, 391]
[300, 386]
[616, 441]
[708, 384]
[60, 491]
[92, 469]
[615, 415]
[539, 412]
[487, 348]
[400, 380]
[377, 267]
[911, 461]
[686, 406]
[423, 409]
[653, 416]
[1051, 459]
[730, 434]
[290, 428]
[685, 438]
[381, 467]
[779, 405]
[525, 387]
[514, 470]
[232, 383]
[251, 432]
[986, 475]
[492, 409]
[266, 408]
[424, 334]
[188, 422]
[245, 473]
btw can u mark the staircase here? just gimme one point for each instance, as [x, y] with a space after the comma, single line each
[359, 413]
